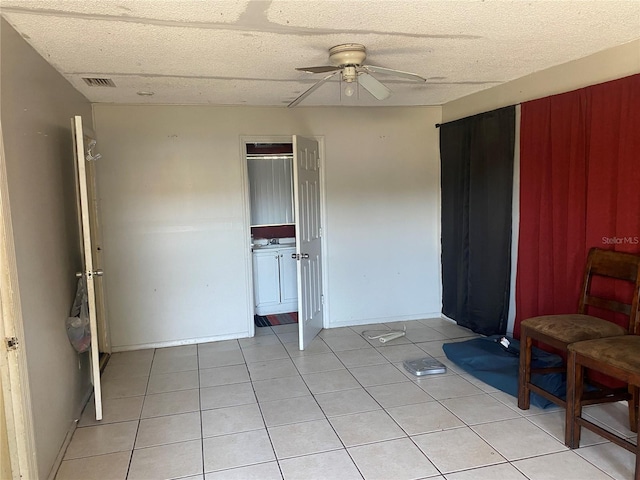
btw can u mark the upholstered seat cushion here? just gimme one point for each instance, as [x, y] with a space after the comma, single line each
[620, 352]
[573, 327]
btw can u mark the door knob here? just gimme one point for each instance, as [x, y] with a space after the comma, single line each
[304, 255]
[96, 273]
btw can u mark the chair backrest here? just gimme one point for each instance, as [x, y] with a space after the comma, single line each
[616, 265]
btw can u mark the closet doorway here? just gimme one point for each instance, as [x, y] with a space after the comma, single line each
[284, 200]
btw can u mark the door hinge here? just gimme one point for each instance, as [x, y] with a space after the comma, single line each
[12, 343]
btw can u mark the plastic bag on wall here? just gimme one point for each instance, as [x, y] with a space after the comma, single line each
[78, 328]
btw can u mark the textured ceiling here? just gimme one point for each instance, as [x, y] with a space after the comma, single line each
[240, 52]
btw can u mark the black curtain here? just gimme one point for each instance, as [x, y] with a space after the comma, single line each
[476, 155]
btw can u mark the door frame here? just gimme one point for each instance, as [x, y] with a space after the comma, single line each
[14, 379]
[244, 140]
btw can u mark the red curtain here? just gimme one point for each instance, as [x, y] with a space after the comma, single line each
[579, 188]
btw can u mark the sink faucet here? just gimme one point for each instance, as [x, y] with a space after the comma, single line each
[273, 241]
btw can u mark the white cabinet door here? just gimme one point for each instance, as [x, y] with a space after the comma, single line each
[266, 279]
[288, 276]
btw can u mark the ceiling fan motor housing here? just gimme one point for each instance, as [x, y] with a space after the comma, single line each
[347, 54]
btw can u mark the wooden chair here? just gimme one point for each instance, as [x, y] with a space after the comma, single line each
[559, 331]
[618, 357]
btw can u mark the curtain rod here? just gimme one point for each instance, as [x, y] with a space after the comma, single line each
[438, 125]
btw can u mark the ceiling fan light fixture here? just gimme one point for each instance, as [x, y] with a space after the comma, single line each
[347, 54]
[347, 59]
[349, 90]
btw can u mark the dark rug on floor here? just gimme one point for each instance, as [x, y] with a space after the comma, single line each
[279, 319]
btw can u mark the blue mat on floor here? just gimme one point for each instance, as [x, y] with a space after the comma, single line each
[486, 359]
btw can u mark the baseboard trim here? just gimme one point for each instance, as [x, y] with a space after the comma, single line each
[177, 343]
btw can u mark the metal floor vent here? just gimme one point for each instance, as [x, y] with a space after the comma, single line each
[99, 82]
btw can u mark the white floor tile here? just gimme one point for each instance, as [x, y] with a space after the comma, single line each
[351, 341]
[518, 438]
[133, 357]
[394, 459]
[559, 466]
[212, 377]
[261, 471]
[168, 429]
[614, 460]
[172, 382]
[171, 403]
[125, 387]
[334, 381]
[424, 418]
[171, 364]
[448, 386]
[237, 450]
[213, 359]
[377, 375]
[272, 369]
[209, 348]
[553, 424]
[122, 370]
[229, 420]
[113, 466]
[345, 402]
[361, 358]
[102, 439]
[280, 388]
[400, 353]
[444, 450]
[175, 353]
[227, 396]
[113, 410]
[321, 466]
[323, 362]
[303, 439]
[291, 410]
[366, 427]
[166, 461]
[479, 409]
[503, 471]
[316, 347]
[264, 353]
[398, 394]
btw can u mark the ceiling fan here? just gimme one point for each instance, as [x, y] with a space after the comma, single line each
[348, 59]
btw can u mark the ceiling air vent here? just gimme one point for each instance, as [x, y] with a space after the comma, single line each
[99, 82]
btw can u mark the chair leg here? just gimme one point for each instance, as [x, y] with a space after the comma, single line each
[524, 375]
[575, 382]
[633, 408]
[637, 474]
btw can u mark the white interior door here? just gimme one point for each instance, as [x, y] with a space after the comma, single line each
[88, 272]
[306, 160]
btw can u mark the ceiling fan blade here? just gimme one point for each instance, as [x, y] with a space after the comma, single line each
[397, 73]
[373, 86]
[310, 90]
[323, 69]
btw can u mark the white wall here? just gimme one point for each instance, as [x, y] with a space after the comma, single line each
[37, 104]
[175, 226]
[610, 64]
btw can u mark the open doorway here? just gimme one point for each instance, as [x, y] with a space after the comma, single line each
[290, 189]
[273, 232]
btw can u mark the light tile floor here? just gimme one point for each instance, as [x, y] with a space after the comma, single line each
[258, 408]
